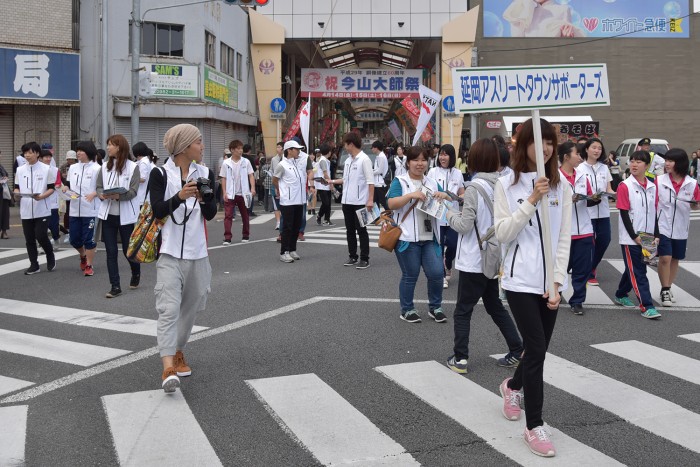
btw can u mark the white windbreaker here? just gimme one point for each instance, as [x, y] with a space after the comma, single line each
[355, 181]
[519, 225]
[410, 227]
[448, 179]
[642, 209]
[581, 218]
[243, 182]
[128, 210]
[319, 173]
[292, 185]
[83, 180]
[468, 257]
[598, 176]
[674, 210]
[33, 179]
[145, 167]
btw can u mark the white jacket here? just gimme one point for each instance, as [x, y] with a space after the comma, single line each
[381, 167]
[83, 180]
[448, 179]
[232, 183]
[292, 185]
[33, 179]
[411, 227]
[128, 210]
[674, 214]
[319, 173]
[357, 176]
[145, 167]
[468, 257]
[599, 177]
[642, 209]
[519, 225]
[581, 218]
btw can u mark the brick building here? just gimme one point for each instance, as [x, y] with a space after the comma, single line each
[40, 81]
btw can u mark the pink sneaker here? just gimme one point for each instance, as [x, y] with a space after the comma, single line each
[538, 441]
[511, 401]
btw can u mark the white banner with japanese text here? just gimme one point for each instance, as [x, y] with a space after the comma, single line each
[507, 88]
[360, 83]
[429, 100]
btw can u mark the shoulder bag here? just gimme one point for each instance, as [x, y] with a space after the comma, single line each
[144, 240]
[390, 231]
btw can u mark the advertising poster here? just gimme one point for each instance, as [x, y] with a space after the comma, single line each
[586, 18]
[175, 81]
[220, 89]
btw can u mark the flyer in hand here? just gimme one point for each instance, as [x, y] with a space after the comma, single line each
[320, 180]
[115, 191]
[367, 217]
[432, 206]
[68, 195]
[648, 246]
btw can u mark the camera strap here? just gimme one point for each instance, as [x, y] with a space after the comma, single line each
[187, 215]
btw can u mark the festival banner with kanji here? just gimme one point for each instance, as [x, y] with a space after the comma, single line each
[414, 113]
[360, 83]
[500, 89]
[294, 127]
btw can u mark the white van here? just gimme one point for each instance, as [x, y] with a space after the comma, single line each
[628, 146]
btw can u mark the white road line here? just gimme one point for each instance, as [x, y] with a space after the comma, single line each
[13, 435]
[594, 295]
[154, 428]
[337, 215]
[326, 424]
[336, 235]
[647, 411]
[479, 411]
[659, 359]
[683, 298]
[693, 268]
[91, 319]
[691, 337]
[8, 385]
[335, 242]
[13, 252]
[24, 264]
[57, 350]
[260, 219]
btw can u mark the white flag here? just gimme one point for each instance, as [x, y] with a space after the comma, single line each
[304, 118]
[429, 101]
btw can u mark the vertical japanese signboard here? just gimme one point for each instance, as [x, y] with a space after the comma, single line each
[220, 89]
[37, 74]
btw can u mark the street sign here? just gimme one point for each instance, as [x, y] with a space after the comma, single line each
[501, 89]
[448, 104]
[278, 116]
[278, 105]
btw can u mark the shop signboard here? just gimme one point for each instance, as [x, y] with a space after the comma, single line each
[360, 83]
[220, 88]
[173, 81]
[39, 75]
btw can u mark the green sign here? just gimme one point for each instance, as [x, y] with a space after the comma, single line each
[220, 89]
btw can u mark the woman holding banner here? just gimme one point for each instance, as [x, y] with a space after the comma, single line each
[518, 223]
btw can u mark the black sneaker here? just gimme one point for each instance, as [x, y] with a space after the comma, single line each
[115, 292]
[458, 366]
[350, 262]
[51, 264]
[135, 279]
[577, 309]
[318, 221]
[411, 316]
[437, 315]
[252, 214]
[362, 264]
[510, 360]
[32, 270]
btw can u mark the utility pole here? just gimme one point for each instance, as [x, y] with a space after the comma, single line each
[135, 65]
[104, 102]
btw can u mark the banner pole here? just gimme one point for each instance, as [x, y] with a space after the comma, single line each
[544, 202]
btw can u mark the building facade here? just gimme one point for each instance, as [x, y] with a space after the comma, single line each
[194, 68]
[40, 82]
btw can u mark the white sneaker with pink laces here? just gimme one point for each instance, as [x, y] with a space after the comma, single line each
[538, 442]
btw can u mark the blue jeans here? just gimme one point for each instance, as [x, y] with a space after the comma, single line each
[53, 224]
[110, 230]
[601, 230]
[448, 240]
[419, 254]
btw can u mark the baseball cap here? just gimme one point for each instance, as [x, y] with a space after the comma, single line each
[644, 142]
[227, 151]
[317, 150]
[292, 144]
[71, 155]
[48, 147]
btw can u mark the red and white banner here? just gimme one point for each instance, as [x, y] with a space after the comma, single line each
[304, 119]
[360, 83]
[429, 100]
[294, 127]
[414, 113]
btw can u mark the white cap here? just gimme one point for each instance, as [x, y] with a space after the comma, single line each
[71, 155]
[292, 144]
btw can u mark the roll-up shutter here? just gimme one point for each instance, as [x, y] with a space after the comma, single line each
[147, 131]
[7, 138]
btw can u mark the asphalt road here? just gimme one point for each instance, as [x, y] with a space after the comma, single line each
[308, 364]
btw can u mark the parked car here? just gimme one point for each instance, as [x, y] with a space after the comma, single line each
[628, 146]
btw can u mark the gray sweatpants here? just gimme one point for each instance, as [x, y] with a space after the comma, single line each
[182, 288]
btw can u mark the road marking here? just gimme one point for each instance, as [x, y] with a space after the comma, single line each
[91, 319]
[325, 423]
[57, 350]
[594, 295]
[334, 242]
[13, 435]
[647, 411]
[13, 252]
[337, 215]
[73, 378]
[683, 298]
[691, 337]
[659, 359]
[691, 267]
[154, 428]
[24, 264]
[341, 235]
[478, 410]
[260, 219]
[8, 385]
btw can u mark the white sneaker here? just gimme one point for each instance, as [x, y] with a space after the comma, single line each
[673, 299]
[445, 284]
[286, 257]
[277, 227]
[294, 255]
[66, 239]
[666, 298]
[448, 274]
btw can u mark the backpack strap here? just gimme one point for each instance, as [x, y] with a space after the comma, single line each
[489, 204]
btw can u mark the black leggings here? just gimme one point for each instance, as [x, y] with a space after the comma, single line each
[36, 230]
[536, 323]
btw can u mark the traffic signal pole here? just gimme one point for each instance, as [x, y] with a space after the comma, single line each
[135, 59]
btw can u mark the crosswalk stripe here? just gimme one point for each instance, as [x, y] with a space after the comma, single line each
[24, 263]
[652, 413]
[57, 350]
[478, 410]
[337, 215]
[594, 295]
[13, 434]
[335, 242]
[326, 424]
[659, 359]
[691, 337]
[261, 218]
[341, 235]
[683, 298]
[153, 428]
[12, 252]
[92, 319]
[8, 385]
[693, 268]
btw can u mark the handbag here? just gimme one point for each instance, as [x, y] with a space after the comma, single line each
[6, 192]
[143, 243]
[390, 231]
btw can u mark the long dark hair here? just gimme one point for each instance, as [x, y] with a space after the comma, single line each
[525, 137]
[588, 144]
[122, 154]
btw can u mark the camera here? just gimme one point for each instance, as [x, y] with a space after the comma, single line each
[204, 189]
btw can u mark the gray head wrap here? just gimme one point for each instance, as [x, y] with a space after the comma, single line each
[179, 137]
